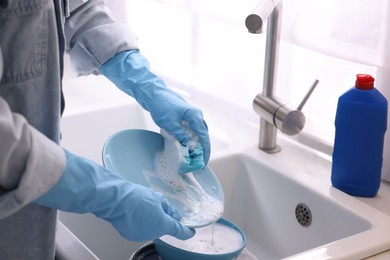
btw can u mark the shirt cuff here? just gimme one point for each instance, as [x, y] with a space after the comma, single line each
[97, 46]
[44, 167]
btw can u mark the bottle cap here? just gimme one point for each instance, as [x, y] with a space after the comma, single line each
[364, 82]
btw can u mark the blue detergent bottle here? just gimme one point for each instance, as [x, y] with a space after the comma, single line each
[361, 122]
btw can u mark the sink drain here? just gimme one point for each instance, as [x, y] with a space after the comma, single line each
[303, 214]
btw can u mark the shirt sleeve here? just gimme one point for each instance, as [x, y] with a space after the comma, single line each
[30, 163]
[93, 36]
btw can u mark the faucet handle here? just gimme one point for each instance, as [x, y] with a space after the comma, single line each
[308, 94]
[291, 121]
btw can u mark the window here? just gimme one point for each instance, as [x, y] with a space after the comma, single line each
[203, 48]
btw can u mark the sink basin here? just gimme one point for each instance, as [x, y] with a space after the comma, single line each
[267, 202]
[261, 193]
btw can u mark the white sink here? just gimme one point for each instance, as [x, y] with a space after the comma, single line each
[262, 200]
[261, 192]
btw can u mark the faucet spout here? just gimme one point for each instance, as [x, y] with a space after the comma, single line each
[254, 22]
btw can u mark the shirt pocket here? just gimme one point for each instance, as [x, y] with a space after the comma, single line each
[24, 39]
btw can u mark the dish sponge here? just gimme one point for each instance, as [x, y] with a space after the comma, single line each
[183, 159]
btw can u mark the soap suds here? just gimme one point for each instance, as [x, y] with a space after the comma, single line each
[197, 205]
[204, 208]
[212, 239]
[166, 170]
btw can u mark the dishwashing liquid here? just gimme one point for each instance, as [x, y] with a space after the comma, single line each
[361, 121]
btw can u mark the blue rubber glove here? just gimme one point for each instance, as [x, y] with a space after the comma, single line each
[136, 212]
[129, 71]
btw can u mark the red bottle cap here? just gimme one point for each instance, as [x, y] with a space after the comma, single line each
[364, 82]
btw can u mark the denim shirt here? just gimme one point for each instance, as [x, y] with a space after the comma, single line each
[33, 37]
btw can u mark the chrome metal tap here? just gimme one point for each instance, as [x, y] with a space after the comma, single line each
[274, 114]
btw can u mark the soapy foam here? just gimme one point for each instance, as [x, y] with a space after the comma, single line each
[212, 239]
[205, 209]
[165, 170]
[198, 205]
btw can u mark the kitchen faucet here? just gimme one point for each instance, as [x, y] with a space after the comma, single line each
[274, 114]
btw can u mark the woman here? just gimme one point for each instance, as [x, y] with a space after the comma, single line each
[37, 176]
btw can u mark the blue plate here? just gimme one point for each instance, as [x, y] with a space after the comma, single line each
[132, 155]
